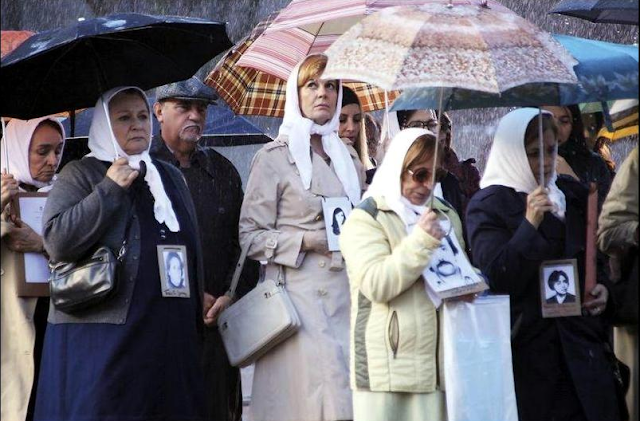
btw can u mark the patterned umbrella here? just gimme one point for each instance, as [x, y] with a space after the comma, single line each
[600, 11]
[606, 71]
[249, 91]
[472, 45]
[475, 45]
[306, 27]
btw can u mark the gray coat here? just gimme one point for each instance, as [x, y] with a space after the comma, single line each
[85, 209]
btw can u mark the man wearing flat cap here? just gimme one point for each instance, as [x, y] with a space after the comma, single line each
[216, 189]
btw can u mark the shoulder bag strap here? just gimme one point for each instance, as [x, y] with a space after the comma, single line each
[123, 248]
[231, 293]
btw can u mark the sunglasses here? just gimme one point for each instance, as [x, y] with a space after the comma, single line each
[422, 175]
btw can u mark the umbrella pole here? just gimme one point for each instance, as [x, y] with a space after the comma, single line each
[5, 148]
[386, 113]
[435, 154]
[541, 151]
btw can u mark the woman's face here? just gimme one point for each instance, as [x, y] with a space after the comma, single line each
[318, 99]
[350, 123]
[130, 122]
[564, 121]
[561, 286]
[532, 149]
[175, 271]
[414, 191]
[422, 119]
[45, 151]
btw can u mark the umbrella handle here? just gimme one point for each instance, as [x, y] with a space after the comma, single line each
[435, 154]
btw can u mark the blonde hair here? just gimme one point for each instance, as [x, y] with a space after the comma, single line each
[311, 67]
[421, 150]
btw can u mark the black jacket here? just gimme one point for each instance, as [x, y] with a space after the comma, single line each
[216, 189]
[509, 251]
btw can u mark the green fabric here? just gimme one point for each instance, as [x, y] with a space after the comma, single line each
[360, 343]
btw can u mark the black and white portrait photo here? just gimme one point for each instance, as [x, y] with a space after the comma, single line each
[559, 290]
[338, 219]
[559, 283]
[335, 210]
[175, 269]
[449, 272]
[174, 274]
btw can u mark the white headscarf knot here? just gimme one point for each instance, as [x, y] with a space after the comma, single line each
[104, 146]
[299, 130]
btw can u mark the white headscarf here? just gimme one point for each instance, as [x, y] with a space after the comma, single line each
[387, 182]
[104, 146]
[508, 164]
[299, 130]
[18, 137]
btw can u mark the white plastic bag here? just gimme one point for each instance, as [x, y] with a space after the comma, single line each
[477, 360]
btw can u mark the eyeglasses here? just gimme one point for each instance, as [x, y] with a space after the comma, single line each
[431, 125]
[422, 175]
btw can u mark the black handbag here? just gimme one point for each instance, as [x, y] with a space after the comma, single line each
[78, 285]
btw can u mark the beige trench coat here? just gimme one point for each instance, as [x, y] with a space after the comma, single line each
[306, 378]
[18, 337]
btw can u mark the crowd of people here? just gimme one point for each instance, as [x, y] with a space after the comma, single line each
[370, 343]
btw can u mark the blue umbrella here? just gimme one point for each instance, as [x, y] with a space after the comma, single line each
[606, 71]
[600, 11]
[69, 68]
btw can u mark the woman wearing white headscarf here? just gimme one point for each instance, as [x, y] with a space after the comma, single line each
[306, 377]
[387, 242]
[134, 355]
[560, 364]
[33, 149]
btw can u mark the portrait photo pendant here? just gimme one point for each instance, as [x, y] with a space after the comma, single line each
[173, 268]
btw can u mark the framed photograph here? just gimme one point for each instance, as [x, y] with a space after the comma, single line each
[335, 211]
[174, 271]
[560, 288]
[32, 268]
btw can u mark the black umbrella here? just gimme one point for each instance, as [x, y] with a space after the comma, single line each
[600, 11]
[69, 68]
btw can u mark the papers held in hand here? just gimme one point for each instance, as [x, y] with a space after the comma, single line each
[449, 273]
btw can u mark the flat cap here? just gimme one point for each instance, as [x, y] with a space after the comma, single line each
[190, 89]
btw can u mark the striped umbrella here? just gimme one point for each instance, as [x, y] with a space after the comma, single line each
[624, 116]
[306, 27]
[249, 91]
